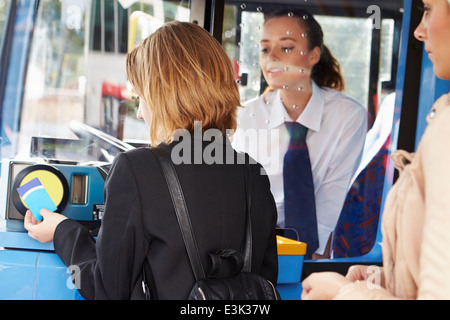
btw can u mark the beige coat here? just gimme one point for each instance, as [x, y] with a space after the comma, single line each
[416, 221]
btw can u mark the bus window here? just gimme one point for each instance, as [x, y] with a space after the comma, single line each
[76, 69]
[4, 14]
[363, 36]
[141, 25]
[353, 53]
[4, 9]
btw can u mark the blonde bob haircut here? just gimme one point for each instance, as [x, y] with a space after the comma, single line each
[184, 75]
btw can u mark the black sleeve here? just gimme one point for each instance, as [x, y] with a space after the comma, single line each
[265, 208]
[109, 268]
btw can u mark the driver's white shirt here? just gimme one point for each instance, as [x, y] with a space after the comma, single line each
[337, 126]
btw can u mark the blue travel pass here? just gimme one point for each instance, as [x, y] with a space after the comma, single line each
[36, 198]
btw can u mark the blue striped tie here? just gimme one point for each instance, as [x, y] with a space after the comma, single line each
[299, 201]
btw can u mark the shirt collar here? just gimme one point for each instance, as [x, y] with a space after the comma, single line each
[311, 116]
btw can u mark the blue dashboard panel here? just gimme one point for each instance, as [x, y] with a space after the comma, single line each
[17, 272]
[21, 240]
[52, 279]
[29, 270]
[34, 275]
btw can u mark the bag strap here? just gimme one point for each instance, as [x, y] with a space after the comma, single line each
[179, 204]
[248, 247]
[185, 222]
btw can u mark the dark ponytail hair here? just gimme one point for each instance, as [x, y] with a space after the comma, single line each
[327, 72]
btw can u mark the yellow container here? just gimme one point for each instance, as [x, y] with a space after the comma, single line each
[290, 247]
[290, 265]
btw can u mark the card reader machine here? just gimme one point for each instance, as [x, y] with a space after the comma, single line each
[76, 190]
[30, 269]
[72, 172]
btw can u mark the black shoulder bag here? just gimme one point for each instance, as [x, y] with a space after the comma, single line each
[243, 284]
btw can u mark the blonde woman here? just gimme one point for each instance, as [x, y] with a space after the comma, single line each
[416, 218]
[188, 98]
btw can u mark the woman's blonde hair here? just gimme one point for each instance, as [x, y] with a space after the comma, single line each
[184, 75]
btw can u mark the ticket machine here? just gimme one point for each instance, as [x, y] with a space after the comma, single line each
[29, 269]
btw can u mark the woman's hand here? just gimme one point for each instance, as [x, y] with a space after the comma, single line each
[323, 285]
[43, 230]
[372, 274]
[357, 273]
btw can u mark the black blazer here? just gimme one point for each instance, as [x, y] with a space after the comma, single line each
[139, 226]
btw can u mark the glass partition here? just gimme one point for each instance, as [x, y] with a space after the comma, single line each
[349, 38]
[363, 36]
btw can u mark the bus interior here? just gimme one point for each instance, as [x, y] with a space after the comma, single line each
[65, 99]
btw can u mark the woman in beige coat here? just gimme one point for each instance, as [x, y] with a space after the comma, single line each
[416, 218]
